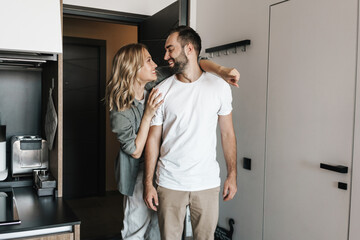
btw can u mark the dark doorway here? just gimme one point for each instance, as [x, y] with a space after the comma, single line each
[84, 117]
[154, 30]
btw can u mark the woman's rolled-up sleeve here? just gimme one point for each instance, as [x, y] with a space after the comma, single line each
[123, 128]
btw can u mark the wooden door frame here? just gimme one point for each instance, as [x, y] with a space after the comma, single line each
[102, 109]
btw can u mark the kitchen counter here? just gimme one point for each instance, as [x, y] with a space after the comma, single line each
[39, 215]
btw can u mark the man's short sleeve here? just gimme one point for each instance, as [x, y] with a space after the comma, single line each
[226, 100]
[158, 118]
[124, 130]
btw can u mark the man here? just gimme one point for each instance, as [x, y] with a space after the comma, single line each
[187, 170]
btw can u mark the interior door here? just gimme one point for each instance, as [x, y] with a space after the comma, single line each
[154, 30]
[84, 113]
[310, 119]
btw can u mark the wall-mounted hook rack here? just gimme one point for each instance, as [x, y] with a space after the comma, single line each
[225, 47]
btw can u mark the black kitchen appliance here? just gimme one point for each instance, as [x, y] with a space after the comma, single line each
[44, 183]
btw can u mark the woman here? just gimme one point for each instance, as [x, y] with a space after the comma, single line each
[126, 96]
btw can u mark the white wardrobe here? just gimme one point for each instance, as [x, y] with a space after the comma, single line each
[297, 107]
[310, 119]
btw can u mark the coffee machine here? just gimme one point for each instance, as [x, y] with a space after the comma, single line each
[3, 168]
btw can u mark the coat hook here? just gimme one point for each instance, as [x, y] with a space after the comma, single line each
[228, 49]
[211, 55]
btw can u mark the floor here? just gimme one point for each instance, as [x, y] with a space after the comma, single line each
[101, 217]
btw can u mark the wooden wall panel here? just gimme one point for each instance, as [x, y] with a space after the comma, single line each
[63, 236]
[57, 167]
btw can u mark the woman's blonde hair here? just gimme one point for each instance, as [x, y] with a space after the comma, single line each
[120, 88]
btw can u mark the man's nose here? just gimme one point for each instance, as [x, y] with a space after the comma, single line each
[166, 57]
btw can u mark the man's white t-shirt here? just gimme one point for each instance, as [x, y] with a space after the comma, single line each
[189, 117]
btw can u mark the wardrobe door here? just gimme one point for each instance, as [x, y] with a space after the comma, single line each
[310, 119]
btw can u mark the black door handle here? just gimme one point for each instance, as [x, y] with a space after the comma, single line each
[342, 185]
[338, 168]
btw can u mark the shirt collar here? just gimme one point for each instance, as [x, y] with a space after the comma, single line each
[135, 102]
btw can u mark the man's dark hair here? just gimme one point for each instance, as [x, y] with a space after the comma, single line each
[188, 35]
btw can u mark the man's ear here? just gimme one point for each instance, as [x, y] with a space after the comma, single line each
[189, 49]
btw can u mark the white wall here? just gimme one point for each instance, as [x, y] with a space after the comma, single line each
[143, 7]
[221, 22]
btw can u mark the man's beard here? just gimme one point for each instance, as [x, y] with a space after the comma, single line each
[180, 63]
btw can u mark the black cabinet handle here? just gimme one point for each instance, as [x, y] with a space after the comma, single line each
[338, 168]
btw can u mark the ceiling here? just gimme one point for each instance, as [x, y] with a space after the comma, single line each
[142, 7]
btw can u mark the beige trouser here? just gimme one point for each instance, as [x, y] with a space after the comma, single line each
[204, 212]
